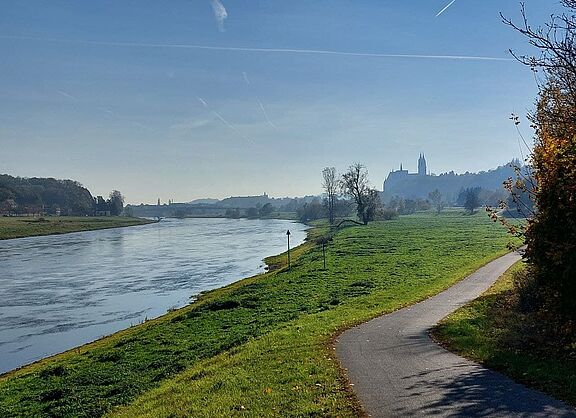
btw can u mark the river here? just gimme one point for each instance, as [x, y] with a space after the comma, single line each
[61, 291]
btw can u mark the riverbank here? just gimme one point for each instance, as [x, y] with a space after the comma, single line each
[287, 216]
[261, 345]
[24, 226]
[487, 331]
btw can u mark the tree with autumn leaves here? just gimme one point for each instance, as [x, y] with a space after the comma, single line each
[551, 232]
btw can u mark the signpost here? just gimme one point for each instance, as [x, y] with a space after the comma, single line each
[288, 235]
[324, 241]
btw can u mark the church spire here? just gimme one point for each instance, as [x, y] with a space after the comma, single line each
[422, 171]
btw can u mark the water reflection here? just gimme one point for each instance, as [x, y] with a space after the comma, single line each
[64, 290]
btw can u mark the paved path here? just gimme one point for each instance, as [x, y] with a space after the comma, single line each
[397, 370]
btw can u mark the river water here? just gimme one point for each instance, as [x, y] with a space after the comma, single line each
[61, 291]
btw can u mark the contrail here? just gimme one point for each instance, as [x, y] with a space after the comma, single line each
[224, 121]
[246, 79]
[262, 108]
[67, 95]
[266, 115]
[140, 125]
[220, 13]
[263, 50]
[201, 100]
[115, 116]
[446, 8]
[107, 110]
[228, 124]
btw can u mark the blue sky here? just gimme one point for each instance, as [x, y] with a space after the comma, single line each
[125, 95]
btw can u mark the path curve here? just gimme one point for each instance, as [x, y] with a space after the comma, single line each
[399, 371]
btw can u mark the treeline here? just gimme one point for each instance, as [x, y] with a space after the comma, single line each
[350, 193]
[39, 196]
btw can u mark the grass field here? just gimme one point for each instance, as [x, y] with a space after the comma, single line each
[22, 226]
[485, 331]
[262, 346]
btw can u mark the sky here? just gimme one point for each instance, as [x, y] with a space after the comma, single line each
[185, 99]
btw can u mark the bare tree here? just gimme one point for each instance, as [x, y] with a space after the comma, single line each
[330, 186]
[355, 184]
[556, 44]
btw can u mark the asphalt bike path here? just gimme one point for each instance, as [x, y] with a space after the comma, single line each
[397, 370]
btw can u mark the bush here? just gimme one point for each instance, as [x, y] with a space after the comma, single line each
[386, 214]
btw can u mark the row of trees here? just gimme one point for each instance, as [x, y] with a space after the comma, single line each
[353, 184]
[252, 212]
[355, 187]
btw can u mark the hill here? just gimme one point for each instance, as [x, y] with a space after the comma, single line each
[19, 195]
[401, 183]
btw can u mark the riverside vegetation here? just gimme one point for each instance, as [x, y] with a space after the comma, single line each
[22, 226]
[261, 346]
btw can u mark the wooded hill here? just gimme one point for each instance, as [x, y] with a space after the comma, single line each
[19, 195]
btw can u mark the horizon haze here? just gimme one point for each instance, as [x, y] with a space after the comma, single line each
[197, 99]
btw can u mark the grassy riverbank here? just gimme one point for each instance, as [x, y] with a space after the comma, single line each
[487, 331]
[260, 347]
[23, 226]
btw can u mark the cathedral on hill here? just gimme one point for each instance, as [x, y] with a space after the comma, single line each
[403, 184]
[400, 175]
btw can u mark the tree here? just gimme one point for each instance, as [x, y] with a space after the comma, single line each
[252, 212]
[266, 210]
[116, 203]
[471, 199]
[330, 186]
[354, 183]
[233, 213]
[436, 199]
[343, 208]
[551, 232]
[310, 211]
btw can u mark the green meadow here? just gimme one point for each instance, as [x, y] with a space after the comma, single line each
[490, 331]
[261, 346]
[23, 226]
